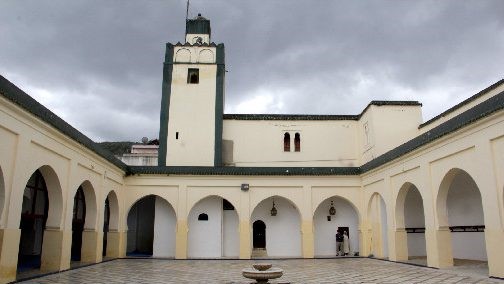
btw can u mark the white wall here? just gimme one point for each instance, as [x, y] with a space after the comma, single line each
[325, 231]
[283, 232]
[231, 237]
[414, 218]
[465, 209]
[205, 237]
[165, 224]
[323, 143]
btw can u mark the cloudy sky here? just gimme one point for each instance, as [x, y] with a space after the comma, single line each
[98, 64]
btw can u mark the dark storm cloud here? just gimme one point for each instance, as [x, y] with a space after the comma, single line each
[98, 63]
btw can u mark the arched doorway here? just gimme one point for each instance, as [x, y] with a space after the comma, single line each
[282, 227]
[259, 235]
[78, 221]
[34, 212]
[141, 227]
[106, 220]
[410, 216]
[110, 224]
[326, 225]
[151, 228]
[377, 216]
[213, 229]
[460, 208]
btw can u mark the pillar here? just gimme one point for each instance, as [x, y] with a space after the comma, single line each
[245, 247]
[181, 240]
[116, 244]
[307, 238]
[9, 249]
[439, 249]
[92, 245]
[364, 239]
[56, 250]
[494, 239]
[399, 244]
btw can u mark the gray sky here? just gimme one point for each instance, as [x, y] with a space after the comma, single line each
[98, 64]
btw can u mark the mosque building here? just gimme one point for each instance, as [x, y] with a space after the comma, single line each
[252, 185]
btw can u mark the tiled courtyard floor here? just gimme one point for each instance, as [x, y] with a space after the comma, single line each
[349, 270]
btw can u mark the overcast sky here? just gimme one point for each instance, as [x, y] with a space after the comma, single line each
[98, 64]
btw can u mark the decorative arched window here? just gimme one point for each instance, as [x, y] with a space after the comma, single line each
[202, 217]
[286, 142]
[297, 142]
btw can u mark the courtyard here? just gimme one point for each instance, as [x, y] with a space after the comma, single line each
[334, 270]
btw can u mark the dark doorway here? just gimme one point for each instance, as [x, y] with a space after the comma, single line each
[79, 218]
[33, 220]
[259, 234]
[344, 229]
[141, 227]
[106, 220]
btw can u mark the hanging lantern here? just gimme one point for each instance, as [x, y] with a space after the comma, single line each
[332, 210]
[273, 209]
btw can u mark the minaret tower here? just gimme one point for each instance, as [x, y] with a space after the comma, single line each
[192, 101]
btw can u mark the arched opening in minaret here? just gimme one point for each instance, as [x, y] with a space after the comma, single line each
[297, 142]
[286, 142]
[193, 76]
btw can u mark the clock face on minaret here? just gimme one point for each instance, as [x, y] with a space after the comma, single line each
[192, 99]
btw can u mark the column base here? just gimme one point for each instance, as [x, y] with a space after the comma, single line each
[400, 245]
[495, 252]
[9, 249]
[245, 248]
[307, 239]
[56, 250]
[439, 247]
[181, 240]
[92, 244]
[116, 244]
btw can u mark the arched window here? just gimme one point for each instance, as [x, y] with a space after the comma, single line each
[286, 142]
[297, 142]
[202, 217]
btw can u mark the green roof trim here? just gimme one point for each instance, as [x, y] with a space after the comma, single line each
[245, 171]
[219, 104]
[318, 116]
[165, 104]
[11, 92]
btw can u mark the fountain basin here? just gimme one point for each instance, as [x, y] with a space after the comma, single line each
[262, 276]
[262, 266]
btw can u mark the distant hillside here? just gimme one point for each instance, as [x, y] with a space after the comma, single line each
[118, 148]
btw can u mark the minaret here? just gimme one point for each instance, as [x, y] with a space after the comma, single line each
[192, 101]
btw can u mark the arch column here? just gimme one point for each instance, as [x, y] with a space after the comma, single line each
[490, 195]
[364, 238]
[181, 239]
[437, 240]
[56, 250]
[307, 238]
[398, 244]
[245, 247]
[9, 249]
[116, 244]
[92, 246]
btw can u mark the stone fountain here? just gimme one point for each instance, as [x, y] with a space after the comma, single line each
[262, 272]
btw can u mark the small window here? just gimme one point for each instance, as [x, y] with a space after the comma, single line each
[286, 142]
[202, 217]
[297, 142]
[176, 135]
[193, 76]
